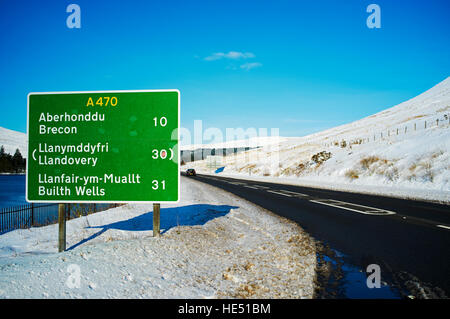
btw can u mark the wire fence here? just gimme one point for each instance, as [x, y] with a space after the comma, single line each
[36, 215]
[392, 132]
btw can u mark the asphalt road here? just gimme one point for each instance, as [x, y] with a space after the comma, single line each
[406, 238]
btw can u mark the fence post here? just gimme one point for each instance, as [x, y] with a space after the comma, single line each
[437, 122]
[156, 220]
[425, 124]
[414, 126]
[62, 228]
[32, 214]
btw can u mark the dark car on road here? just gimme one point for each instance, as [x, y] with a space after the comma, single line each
[191, 172]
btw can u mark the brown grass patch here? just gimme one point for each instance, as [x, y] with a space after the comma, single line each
[444, 109]
[352, 174]
[437, 154]
[248, 266]
[414, 117]
[367, 161]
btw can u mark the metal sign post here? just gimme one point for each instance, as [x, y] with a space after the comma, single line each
[156, 220]
[62, 228]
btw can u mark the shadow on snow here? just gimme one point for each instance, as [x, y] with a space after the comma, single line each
[190, 215]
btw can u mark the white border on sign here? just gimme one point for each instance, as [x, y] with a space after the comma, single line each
[100, 201]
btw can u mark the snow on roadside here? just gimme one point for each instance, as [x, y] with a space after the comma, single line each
[214, 245]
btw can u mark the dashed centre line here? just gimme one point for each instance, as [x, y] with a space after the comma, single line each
[275, 192]
[293, 193]
[236, 183]
[361, 209]
[366, 210]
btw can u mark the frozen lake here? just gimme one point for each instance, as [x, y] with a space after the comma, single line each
[12, 190]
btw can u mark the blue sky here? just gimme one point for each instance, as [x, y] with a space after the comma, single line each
[301, 66]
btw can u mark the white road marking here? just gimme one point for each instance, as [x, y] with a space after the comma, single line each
[280, 193]
[293, 193]
[339, 204]
[236, 183]
[443, 226]
[373, 211]
[262, 187]
[366, 210]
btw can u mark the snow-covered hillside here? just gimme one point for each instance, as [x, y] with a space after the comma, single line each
[406, 147]
[12, 140]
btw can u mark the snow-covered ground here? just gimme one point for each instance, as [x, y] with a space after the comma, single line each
[12, 140]
[213, 245]
[402, 151]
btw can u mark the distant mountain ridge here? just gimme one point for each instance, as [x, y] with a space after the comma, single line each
[12, 140]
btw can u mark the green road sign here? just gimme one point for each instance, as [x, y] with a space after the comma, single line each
[103, 146]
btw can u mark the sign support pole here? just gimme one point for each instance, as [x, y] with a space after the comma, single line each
[62, 228]
[156, 220]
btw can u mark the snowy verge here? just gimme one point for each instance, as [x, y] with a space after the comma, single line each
[213, 245]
